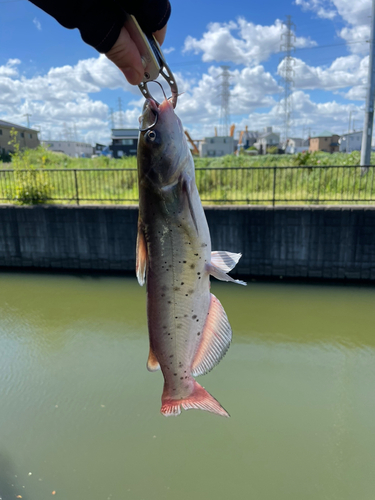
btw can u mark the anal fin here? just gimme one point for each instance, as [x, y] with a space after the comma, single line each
[152, 362]
[216, 339]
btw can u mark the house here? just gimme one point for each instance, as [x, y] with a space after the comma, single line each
[325, 141]
[124, 142]
[74, 149]
[350, 142]
[266, 139]
[217, 146]
[296, 145]
[26, 137]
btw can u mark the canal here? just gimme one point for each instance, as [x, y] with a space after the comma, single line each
[79, 412]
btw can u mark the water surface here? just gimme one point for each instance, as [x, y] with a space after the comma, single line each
[79, 412]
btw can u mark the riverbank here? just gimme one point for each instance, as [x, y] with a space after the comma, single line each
[309, 242]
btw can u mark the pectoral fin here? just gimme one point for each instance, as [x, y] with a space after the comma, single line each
[222, 275]
[225, 261]
[152, 362]
[187, 183]
[141, 261]
[216, 338]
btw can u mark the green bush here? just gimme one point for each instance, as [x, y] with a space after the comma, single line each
[31, 188]
[31, 185]
[272, 150]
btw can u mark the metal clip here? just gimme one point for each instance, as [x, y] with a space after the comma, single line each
[153, 60]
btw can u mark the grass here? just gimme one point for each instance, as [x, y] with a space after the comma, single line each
[218, 179]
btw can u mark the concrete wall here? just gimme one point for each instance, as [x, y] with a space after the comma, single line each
[316, 242]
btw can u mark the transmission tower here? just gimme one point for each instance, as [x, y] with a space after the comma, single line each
[288, 39]
[225, 97]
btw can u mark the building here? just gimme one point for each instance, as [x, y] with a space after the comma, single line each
[350, 142]
[296, 145]
[70, 148]
[266, 139]
[212, 147]
[325, 141]
[124, 142]
[26, 137]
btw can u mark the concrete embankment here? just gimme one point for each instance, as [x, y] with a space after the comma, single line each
[302, 242]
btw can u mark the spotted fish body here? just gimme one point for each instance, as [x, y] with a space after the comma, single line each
[188, 329]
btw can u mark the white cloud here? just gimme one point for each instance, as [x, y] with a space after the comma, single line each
[62, 95]
[37, 23]
[344, 72]
[355, 14]
[168, 50]
[253, 43]
[9, 68]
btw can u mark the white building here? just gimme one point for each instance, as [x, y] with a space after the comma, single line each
[70, 148]
[266, 139]
[296, 145]
[350, 142]
[217, 146]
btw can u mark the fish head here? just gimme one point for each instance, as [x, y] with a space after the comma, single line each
[162, 146]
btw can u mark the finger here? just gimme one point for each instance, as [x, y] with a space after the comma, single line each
[160, 35]
[126, 56]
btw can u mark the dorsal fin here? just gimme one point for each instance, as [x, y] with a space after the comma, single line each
[216, 338]
[152, 362]
[141, 262]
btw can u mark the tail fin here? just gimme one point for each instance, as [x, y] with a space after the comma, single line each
[199, 399]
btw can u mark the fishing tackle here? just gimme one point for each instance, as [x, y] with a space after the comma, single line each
[153, 60]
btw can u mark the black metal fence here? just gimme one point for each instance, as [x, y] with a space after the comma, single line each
[252, 185]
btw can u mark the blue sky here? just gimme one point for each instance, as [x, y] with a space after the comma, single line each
[69, 89]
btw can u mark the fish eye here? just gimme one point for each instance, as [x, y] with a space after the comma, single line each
[151, 134]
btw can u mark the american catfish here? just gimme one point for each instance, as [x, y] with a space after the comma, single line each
[188, 328]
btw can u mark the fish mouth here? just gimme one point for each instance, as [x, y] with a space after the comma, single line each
[149, 116]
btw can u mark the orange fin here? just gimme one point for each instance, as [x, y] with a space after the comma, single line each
[225, 261]
[141, 262]
[216, 339]
[152, 362]
[199, 399]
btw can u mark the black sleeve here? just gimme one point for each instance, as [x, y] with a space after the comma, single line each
[100, 21]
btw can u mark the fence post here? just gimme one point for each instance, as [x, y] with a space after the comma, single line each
[76, 184]
[274, 186]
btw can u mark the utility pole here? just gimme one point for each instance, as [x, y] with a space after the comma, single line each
[120, 112]
[347, 140]
[225, 97]
[28, 119]
[369, 113]
[112, 120]
[288, 39]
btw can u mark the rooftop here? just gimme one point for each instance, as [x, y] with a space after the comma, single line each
[3, 123]
[325, 133]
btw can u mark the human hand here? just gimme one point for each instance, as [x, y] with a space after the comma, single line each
[126, 56]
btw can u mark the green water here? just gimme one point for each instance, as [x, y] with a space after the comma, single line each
[79, 413]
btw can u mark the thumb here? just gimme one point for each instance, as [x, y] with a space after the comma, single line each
[125, 55]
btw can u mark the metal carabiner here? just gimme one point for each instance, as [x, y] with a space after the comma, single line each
[153, 60]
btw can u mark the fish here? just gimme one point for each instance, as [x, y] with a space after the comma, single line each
[189, 331]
